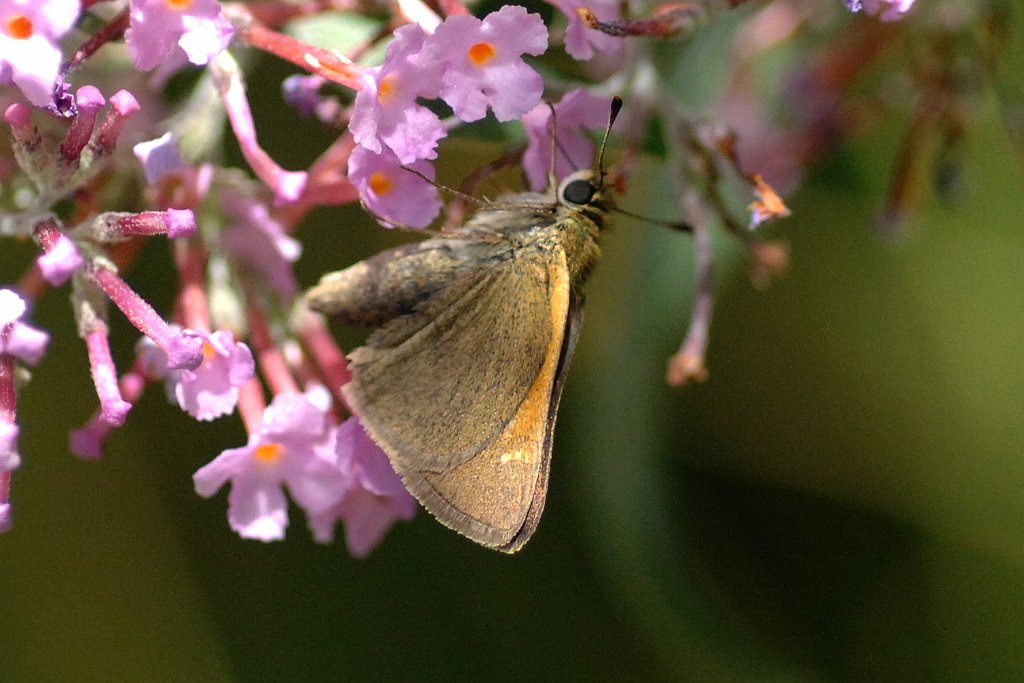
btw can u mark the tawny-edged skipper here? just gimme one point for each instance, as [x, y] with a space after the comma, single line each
[461, 380]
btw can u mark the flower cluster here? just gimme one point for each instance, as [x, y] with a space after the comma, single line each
[472, 65]
[235, 338]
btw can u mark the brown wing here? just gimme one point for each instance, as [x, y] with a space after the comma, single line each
[461, 394]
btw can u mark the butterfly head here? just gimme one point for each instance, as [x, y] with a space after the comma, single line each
[585, 192]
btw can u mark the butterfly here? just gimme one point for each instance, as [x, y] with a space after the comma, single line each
[474, 330]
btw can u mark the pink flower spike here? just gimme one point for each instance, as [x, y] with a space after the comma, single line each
[374, 497]
[184, 349]
[122, 106]
[577, 112]
[391, 192]
[484, 65]
[197, 27]
[211, 390]
[113, 408]
[286, 185]
[88, 100]
[116, 225]
[293, 446]
[385, 112]
[29, 53]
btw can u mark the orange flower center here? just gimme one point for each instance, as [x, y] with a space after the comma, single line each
[178, 4]
[380, 183]
[481, 53]
[19, 27]
[386, 89]
[209, 353]
[267, 453]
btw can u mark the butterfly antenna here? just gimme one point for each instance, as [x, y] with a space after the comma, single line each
[613, 114]
[673, 225]
[455, 193]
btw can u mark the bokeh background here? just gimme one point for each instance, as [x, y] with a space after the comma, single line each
[843, 499]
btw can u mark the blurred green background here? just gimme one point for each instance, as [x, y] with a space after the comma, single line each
[842, 500]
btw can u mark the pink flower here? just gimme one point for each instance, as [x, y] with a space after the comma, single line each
[391, 192]
[889, 10]
[374, 497]
[60, 261]
[24, 342]
[385, 112]
[211, 390]
[293, 447]
[9, 456]
[159, 157]
[259, 242]
[197, 26]
[578, 111]
[581, 42]
[483, 62]
[29, 54]
[12, 307]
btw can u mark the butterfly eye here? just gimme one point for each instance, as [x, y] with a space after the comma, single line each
[579, 192]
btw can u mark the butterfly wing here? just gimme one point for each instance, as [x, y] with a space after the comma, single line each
[461, 393]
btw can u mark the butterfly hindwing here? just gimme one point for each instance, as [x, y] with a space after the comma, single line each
[468, 425]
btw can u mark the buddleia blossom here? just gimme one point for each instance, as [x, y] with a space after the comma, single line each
[373, 499]
[483, 63]
[386, 114]
[29, 54]
[392, 193]
[233, 237]
[211, 390]
[197, 28]
[293, 448]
